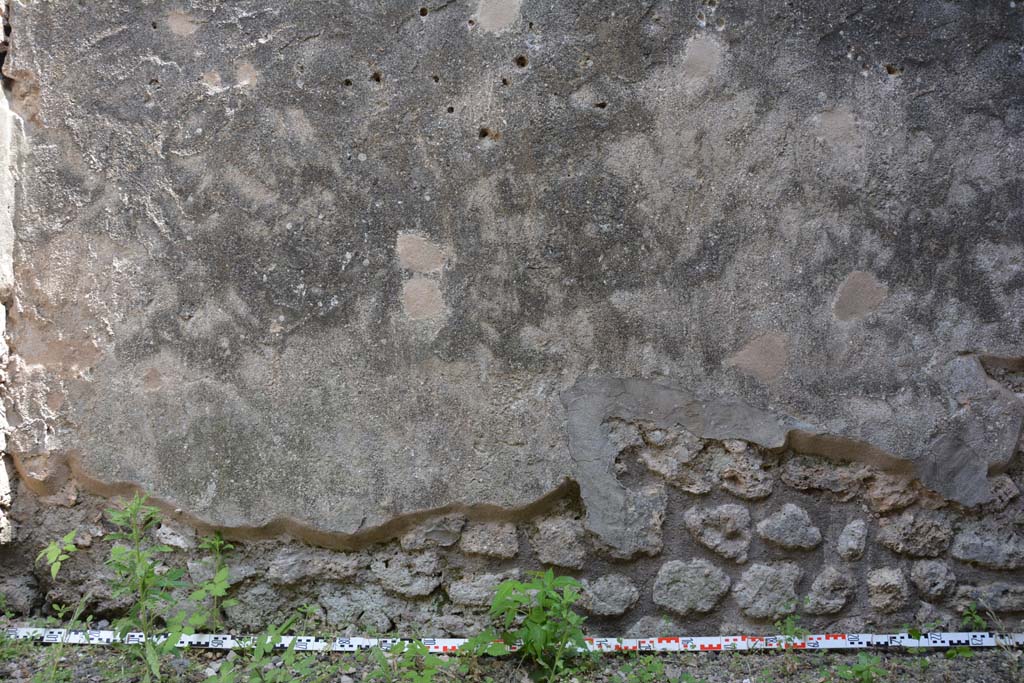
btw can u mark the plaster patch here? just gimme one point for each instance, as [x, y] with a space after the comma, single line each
[151, 381]
[497, 15]
[700, 62]
[418, 254]
[246, 75]
[763, 357]
[859, 294]
[421, 298]
[181, 24]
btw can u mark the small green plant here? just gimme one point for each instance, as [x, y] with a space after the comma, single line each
[539, 614]
[216, 588]
[867, 669]
[260, 666]
[55, 555]
[688, 678]
[12, 649]
[645, 669]
[58, 552]
[959, 652]
[408, 662]
[918, 632]
[971, 620]
[139, 574]
[791, 632]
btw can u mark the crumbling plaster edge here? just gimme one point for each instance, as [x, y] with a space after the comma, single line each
[12, 142]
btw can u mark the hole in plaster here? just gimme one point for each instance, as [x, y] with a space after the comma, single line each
[521, 61]
[451, 110]
[376, 77]
[893, 70]
[504, 81]
[347, 82]
[436, 78]
[601, 105]
[424, 11]
[486, 132]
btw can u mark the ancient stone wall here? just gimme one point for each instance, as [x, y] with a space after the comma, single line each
[717, 305]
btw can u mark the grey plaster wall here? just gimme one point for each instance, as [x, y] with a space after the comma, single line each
[333, 268]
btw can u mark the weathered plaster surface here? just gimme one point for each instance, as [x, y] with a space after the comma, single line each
[325, 265]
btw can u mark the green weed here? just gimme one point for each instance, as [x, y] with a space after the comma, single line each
[539, 614]
[867, 669]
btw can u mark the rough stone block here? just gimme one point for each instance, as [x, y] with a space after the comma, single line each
[610, 595]
[887, 590]
[724, 529]
[918, 534]
[790, 528]
[561, 541]
[491, 539]
[829, 592]
[932, 578]
[768, 591]
[851, 541]
[690, 587]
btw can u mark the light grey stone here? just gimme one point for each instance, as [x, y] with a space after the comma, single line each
[829, 592]
[747, 483]
[724, 529]
[936, 618]
[888, 493]
[988, 545]
[298, 564]
[6, 477]
[677, 465]
[735, 445]
[239, 569]
[6, 528]
[365, 607]
[805, 472]
[919, 533]
[887, 590]
[258, 604]
[411, 576]
[1004, 491]
[610, 595]
[689, 587]
[643, 514]
[491, 539]
[560, 540]
[852, 539]
[998, 596]
[651, 626]
[932, 578]
[477, 590]
[21, 592]
[439, 532]
[176, 535]
[790, 528]
[768, 591]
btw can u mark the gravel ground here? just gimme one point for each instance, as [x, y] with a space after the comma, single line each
[20, 661]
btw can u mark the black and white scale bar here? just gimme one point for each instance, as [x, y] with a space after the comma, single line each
[824, 641]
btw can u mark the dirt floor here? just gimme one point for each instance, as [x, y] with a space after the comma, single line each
[22, 662]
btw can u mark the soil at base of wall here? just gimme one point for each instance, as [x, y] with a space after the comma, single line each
[101, 665]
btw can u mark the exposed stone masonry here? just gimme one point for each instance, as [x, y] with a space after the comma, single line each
[824, 552]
